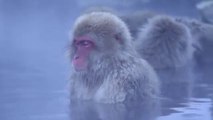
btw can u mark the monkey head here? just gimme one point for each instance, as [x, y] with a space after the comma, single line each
[97, 34]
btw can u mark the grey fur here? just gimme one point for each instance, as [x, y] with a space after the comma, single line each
[115, 73]
[197, 29]
[202, 39]
[165, 43]
[200, 31]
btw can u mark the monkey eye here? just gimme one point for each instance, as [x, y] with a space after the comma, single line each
[84, 43]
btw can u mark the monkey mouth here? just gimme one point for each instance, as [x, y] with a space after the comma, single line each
[79, 65]
[80, 69]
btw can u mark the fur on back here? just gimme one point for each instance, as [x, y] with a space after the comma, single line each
[165, 43]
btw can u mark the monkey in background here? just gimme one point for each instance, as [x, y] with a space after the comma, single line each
[201, 33]
[165, 43]
[203, 40]
[105, 66]
[168, 45]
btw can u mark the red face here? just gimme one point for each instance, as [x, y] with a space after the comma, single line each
[83, 45]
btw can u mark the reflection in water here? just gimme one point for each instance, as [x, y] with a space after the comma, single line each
[194, 103]
[177, 87]
[195, 109]
[96, 111]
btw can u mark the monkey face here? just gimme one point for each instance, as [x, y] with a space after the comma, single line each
[83, 46]
[98, 35]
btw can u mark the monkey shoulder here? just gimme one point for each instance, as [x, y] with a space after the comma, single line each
[144, 70]
[146, 77]
[133, 81]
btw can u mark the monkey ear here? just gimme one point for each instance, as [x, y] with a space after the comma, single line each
[118, 38]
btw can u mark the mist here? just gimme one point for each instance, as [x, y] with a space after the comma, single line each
[34, 60]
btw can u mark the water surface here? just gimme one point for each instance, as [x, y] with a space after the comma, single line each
[34, 71]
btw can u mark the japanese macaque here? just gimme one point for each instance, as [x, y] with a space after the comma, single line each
[201, 33]
[202, 40]
[165, 43]
[106, 67]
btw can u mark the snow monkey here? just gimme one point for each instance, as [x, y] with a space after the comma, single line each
[105, 65]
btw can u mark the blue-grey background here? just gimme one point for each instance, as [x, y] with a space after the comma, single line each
[34, 66]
